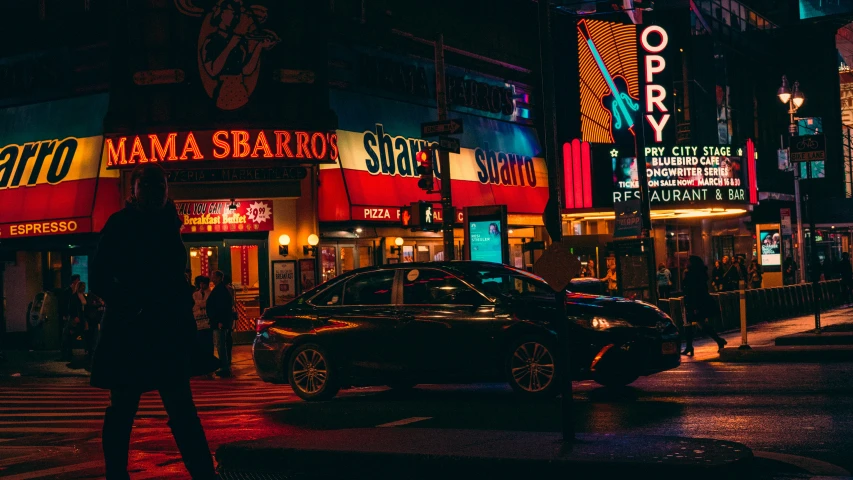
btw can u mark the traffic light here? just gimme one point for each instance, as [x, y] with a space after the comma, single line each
[424, 158]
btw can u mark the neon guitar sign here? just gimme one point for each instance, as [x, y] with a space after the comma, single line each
[618, 101]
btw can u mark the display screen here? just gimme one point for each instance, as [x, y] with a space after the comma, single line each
[683, 174]
[771, 247]
[486, 241]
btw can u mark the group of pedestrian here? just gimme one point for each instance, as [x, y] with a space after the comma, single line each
[81, 314]
[213, 311]
[729, 273]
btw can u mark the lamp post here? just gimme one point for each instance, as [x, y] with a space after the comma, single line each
[795, 99]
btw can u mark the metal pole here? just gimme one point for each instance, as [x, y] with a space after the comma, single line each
[444, 156]
[567, 417]
[801, 245]
[815, 261]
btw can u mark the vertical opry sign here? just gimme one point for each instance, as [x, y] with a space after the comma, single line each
[654, 41]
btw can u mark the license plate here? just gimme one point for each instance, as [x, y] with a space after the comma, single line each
[669, 348]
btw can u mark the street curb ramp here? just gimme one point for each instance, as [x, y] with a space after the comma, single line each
[414, 453]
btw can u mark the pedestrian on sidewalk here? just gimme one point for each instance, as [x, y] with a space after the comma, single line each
[789, 270]
[220, 310]
[664, 277]
[65, 296]
[731, 275]
[147, 337]
[755, 275]
[76, 325]
[698, 304]
[204, 333]
[845, 271]
[717, 277]
[612, 283]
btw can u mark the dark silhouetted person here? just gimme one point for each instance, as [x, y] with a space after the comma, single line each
[698, 303]
[220, 311]
[731, 274]
[717, 277]
[789, 270]
[755, 275]
[147, 337]
[845, 272]
[664, 280]
[65, 296]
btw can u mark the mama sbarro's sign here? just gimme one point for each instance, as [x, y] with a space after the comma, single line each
[297, 146]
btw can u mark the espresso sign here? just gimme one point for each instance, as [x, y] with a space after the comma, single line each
[179, 148]
[225, 216]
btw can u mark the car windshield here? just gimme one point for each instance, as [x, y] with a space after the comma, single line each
[499, 280]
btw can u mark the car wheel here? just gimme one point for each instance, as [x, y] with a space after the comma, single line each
[310, 373]
[531, 367]
[615, 380]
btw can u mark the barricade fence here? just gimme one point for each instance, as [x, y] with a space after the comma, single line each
[764, 304]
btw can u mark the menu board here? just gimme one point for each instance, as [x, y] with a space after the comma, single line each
[683, 174]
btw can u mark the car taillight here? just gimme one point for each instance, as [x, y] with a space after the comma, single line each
[262, 324]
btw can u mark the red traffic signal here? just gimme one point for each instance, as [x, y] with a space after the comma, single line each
[424, 159]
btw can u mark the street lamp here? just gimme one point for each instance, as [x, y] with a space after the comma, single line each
[794, 99]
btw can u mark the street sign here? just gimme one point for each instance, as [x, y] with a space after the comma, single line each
[808, 148]
[431, 129]
[785, 223]
[448, 144]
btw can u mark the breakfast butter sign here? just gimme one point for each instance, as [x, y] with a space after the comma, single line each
[226, 216]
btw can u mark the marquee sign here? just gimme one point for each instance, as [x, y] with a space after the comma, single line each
[683, 174]
[297, 146]
[218, 216]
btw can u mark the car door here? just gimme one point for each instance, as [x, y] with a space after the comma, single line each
[363, 328]
[446, 325]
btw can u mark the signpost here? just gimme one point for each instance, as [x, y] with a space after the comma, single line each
[432, 129]
[449, 144]
[808, 148]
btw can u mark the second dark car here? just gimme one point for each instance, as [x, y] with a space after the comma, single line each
[456, 322]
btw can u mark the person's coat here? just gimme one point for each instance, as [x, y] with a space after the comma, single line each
[220, 307]
[698, 303]
[148, 328]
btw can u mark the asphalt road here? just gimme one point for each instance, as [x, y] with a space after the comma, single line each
[799, 414]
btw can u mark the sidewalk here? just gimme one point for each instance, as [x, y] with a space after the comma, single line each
[762, 338]
[45, 364]
[424, 453]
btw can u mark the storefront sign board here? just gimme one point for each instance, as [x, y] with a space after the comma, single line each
[216, 216]
[242, 175]
[396, 214]
[181, 148]
[47, 227]
[284, 281]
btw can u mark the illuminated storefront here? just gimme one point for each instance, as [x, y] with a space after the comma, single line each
[361, 196]
[56, 195]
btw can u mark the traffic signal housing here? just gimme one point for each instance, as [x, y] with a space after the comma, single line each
[424, 159]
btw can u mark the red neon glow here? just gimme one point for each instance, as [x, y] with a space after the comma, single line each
[586, 174]
[577, 175]
[753, 172]
[221, 145]
[568, 176]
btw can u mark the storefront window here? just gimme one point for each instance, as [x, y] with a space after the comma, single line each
[423, 253]
[204, 261]
[347, 259]
[365, 256]
[244, 278]
[408, 255]
[328, 263]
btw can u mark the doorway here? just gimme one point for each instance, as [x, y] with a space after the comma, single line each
[244, 263]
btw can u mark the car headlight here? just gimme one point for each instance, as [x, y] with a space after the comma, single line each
[601, 323]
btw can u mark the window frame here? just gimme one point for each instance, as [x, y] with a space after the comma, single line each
[394, 288]
[486, 299]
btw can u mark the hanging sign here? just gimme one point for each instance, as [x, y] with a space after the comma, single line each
[225, 216]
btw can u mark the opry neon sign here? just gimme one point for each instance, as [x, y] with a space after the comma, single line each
[655, 64]
[297, 146]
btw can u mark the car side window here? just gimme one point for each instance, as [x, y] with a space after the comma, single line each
[332, 297]
[434, 287]
[373, 288]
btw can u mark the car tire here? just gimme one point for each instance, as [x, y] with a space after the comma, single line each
[615, 380]
[531, 367]
[311, 374]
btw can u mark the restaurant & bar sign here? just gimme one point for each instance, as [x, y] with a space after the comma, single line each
[297, 146]
[226, 216]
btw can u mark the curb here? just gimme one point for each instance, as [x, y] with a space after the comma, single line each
[800, 353]
[428, 453]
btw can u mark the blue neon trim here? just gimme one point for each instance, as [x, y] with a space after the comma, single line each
[617, 96]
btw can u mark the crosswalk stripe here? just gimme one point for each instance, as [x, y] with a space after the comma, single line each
[50, 472]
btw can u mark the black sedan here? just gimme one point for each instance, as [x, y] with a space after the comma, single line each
[455, 322]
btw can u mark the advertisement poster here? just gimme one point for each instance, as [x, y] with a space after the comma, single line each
[225, 216]
[771, 247]
[307, 274]
[284, 281]
[683, 174]
[628, 221]
[785, 222]
[485, 238]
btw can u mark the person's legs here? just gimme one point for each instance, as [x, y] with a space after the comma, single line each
[706, 327]
[187, 430]
[223, 346]
[118, 423]
[65, 351]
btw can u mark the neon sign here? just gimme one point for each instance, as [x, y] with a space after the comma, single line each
[655, 64]
[609, 81]
[295, 145]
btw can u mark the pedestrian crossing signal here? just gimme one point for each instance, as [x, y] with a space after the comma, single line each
[424, 159]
